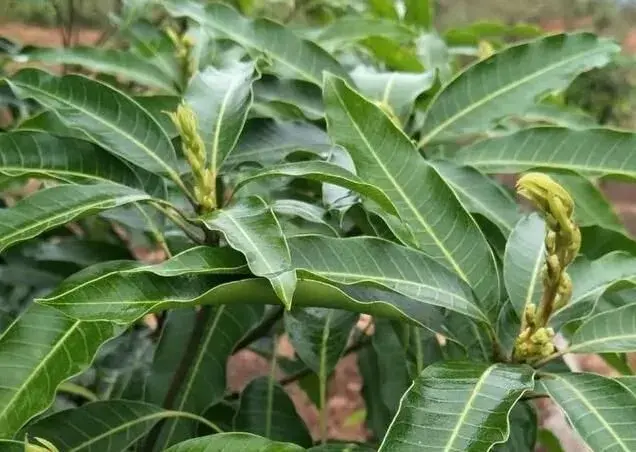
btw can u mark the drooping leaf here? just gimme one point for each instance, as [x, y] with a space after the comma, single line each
[523, 263]
[266, 409]
[109, 117]
[48, 121]
[40, 350]
[600, 409]
[480, 194]
[384, 155]
[596, 241]
[363, 259]
[245, 442]
[55, 206]
[89, 297]
[458, 406]
[398, 90]
[251, 227]
[378, 414]
[323, 172]
[116, 62]
[108, 426]
[290, 54]
[267, 141]
[590, 152]
[319, 336]
[45, 155]
[393, 372]
[607, 332]
[204, 382]
[591, 206]
[221, 99]
[307, 211]
[510, 81]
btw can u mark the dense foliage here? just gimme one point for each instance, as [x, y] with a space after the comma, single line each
[283, 179]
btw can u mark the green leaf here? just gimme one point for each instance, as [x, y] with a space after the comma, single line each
[89, 296]
[221, 99]
[323, 172]
[319, 336]
[591, 279]
[384, 8]
[55, 206]
[597, 241]
[290, 54]
[223, 442]
[349, 30]
[591, 152]
[157, 106]
[600, 409]
[378, 414]
[523, 429]
[591, 206]
[251, 227]
[394, 54]
[305, 96]
[109, 117]
[48, 121]
[398, 90]
[45, 155]
[510, 81]
[204, 383]
[266, 409]
[110, 61]
[369, 260]
[308, 212]
[549, 441]
[267, 141]
[40, 350]
[609, 331]
[340, 447]
[393, 373]
[480, 194]
[9, 445]
[420, 13]
[108, 426]
[458, 406]
[384, 155]
[523, 263]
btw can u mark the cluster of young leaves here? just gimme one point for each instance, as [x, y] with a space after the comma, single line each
[353, 176]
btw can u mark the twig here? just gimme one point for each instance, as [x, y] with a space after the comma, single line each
[547, 359]
[261, 329]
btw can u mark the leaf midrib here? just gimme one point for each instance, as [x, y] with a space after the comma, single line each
[147, 151]
[492, 163]
[399, 189]
[498, 92]
[466, 410]
[43, 361]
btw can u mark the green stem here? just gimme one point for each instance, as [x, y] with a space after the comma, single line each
[270, 389]
[194, 417]
[322, 380]
[74, 389]
[154, 230]
[178, 219]
[547, 359]
[419, 352]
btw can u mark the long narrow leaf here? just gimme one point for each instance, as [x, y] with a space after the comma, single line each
[384, 155]
[40, 350]
[111, 118]
[55, 206]
[509, 82]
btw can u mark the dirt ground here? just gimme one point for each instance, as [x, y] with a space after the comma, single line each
[345, 386]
